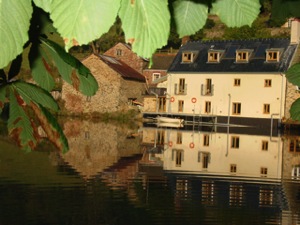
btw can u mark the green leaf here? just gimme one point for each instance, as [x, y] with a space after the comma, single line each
[295, 110]
[14, 25]
[293, 74]
[146, 25]
[2, 97]
[62, 60]
[32, 93]
[88, 84]
[65, 64]
[236, 13]
[19, 124]
[41, 70]
[82, 21]
[189, 16]
[51, 128]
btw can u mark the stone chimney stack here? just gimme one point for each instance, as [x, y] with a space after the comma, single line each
[185, 40]
[295, 31]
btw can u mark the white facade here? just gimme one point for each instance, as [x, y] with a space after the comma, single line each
[219, 154]
[250, 90]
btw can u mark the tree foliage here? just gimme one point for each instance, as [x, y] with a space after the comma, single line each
[146, 26]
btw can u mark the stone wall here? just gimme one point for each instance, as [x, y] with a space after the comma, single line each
[112, 95]
[106, 98]
[291, 92]
[131, 89]
[150, 103]
[290, 159]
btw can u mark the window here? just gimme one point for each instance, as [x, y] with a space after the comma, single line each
[155, 76]
[207, 107]
[266, 109]
[179, 138]
[294, 145]
[188, 57]
[232, 168]
[237, 82]
[119, 52]
[236, 108]
[266, 197]
[205, 140]
[160, 138]
[205, 160]
[181, 187]
[207, 88]
[272, 55]
[87, 135]
[88, 98]
[235, 142]
[243, 55]
[180, 88]
[263, 171]
[268, 83]
[295, 172]
[178, 157]
[162, 104]
[214, 56]
[207, 192]
[180, 105]
[236, 194]
[264, 145]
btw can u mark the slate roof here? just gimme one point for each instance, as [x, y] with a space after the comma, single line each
[256, 64]
[161, 61]
[122, 68]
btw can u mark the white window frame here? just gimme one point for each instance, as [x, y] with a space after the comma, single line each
[156, 76]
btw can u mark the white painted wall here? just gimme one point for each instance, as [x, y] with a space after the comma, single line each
[251, 94]
[249, 157]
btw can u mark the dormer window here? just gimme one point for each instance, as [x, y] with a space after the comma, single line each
[119, 52]
[243, 55]
[188, 57]
[214, 56]
[273, 55]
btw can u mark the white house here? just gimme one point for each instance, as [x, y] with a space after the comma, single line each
[231, 81]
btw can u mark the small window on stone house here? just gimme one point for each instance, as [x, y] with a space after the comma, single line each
[155, 76]
[119, 52]
[88, 98]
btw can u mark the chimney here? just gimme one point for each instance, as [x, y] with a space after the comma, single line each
[295, 30]
[185, 40]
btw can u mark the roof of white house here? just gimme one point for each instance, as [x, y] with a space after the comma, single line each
[242, 56]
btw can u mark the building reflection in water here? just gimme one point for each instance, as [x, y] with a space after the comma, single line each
[241, 169]
[98, 148]
[222, 170]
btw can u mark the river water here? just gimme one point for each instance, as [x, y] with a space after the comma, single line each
[115, 174]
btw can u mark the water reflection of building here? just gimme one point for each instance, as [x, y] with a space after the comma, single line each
[95, 147]
[219, 154]
[230, 170]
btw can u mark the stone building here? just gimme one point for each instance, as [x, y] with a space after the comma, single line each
[123, 52]
[161, 62]
[119, 85]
